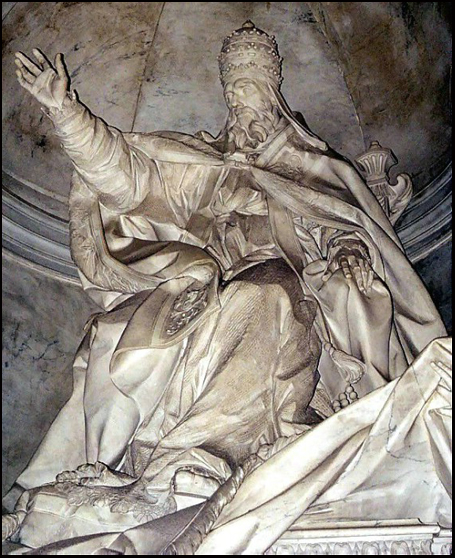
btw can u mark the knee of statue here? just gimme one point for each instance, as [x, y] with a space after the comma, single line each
[259, 293]
[345, 286]
[339, 282]
[380, 291]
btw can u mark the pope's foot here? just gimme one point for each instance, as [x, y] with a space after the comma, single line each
[96, 474]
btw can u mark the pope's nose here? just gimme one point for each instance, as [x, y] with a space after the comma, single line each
[236, 103]
[233, 100]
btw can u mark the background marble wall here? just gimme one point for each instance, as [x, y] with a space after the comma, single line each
[42, 326]
[358, 70]
[436, 272]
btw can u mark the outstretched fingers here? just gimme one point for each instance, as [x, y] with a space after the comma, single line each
[60, 66]
[25, 64]
[25, 79]
[43, 61]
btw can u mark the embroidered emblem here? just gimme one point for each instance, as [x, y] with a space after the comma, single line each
[187, 306]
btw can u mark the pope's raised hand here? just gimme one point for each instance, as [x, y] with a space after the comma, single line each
[46, 82]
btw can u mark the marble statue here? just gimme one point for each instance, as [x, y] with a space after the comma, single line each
[265, 354]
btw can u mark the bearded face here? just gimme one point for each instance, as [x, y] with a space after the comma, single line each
[252, 115]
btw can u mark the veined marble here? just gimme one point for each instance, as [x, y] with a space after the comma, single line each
[264, 344]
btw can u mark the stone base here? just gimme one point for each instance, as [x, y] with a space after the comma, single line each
[423, 541]
[9, 547]
[355, 540]
[362, 540]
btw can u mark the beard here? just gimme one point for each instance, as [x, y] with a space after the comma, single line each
[247, 127]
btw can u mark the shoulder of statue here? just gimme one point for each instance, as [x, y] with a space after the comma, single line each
[297, 142]
[288, 156]
[145, 137]
[142, 140]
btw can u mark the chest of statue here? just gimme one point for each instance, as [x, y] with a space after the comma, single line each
[240, 222]
[238, 194]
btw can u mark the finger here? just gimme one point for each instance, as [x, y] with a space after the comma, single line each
[60, 66]
[30, 78]
[357, 272]
[25, 80]
[331, 268]
[370, 278]
[31, 67]
[344, 264]
[364, 269]
[26, 74]
[41, 58]
[327, 276]
[355, 264]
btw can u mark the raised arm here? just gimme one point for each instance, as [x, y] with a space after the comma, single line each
[118, 173]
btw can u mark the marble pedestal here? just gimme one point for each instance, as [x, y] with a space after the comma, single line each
[357, 540]
[367, 539]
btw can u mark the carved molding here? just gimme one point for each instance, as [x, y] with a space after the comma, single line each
[34, 235]
[426, 225]
[375, 164]
[42, 239]
[380, 541]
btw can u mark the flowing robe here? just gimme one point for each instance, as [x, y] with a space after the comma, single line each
[158, 217]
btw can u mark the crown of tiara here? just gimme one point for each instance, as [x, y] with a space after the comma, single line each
[249, 50]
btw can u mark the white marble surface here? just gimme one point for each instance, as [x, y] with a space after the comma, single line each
[106, 49]
[363, 540]
[7, 7]
[166, 53]
[148, 60]
[36, 307]
[42, 327]
[182, 70]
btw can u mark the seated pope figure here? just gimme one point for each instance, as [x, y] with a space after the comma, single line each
[251, 286]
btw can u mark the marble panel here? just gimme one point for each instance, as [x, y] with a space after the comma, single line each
[436, 271]
[182, 91]
[138, 400]
[43, 321]
[105, 49]
[7, 7]
[396, 59]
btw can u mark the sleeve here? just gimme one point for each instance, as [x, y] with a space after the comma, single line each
[118, 173]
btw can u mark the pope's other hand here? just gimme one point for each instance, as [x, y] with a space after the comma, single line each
[354, 266]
